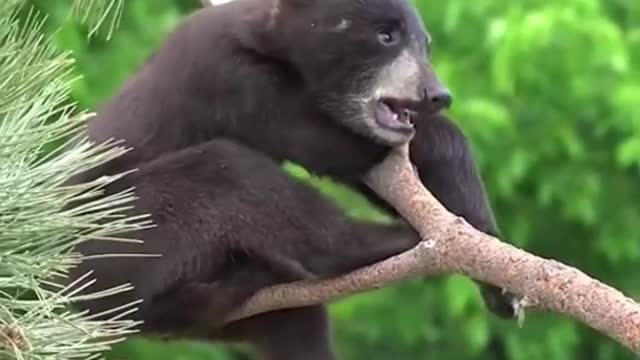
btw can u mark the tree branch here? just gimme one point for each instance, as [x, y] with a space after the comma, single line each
[451, 245]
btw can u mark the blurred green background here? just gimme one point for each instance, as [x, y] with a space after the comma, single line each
[549, 94]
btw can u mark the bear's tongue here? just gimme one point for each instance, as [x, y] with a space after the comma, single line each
[391, 117]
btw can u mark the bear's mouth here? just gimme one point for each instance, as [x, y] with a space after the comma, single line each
[394, 114]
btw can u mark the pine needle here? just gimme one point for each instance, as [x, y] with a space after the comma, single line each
[41, 148]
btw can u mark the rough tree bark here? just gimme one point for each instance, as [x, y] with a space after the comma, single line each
[450, 246]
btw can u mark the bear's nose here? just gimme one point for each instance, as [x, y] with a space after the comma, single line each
[440, 99]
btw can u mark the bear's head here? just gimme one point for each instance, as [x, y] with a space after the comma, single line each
[365, 62]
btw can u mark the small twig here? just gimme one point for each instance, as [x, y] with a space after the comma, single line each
[453, 246]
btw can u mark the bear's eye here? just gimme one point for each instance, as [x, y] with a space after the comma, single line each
[389, 37]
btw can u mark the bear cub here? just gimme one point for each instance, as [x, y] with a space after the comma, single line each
[232, 92]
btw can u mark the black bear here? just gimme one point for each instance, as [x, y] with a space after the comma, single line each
[232, 92]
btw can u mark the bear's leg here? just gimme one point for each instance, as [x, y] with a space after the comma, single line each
[290, 334]
[446, 165]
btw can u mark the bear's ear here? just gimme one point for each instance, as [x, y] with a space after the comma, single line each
[281, 7]
[206, 3]
[294, 3]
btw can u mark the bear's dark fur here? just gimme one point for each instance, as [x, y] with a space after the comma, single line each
[232, 92]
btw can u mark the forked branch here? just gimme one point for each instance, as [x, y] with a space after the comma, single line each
[450, 246]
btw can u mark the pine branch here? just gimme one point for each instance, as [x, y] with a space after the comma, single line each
[450, 246]
[41, 148]
[97, 12]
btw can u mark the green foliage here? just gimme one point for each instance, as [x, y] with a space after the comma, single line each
[549, 94]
